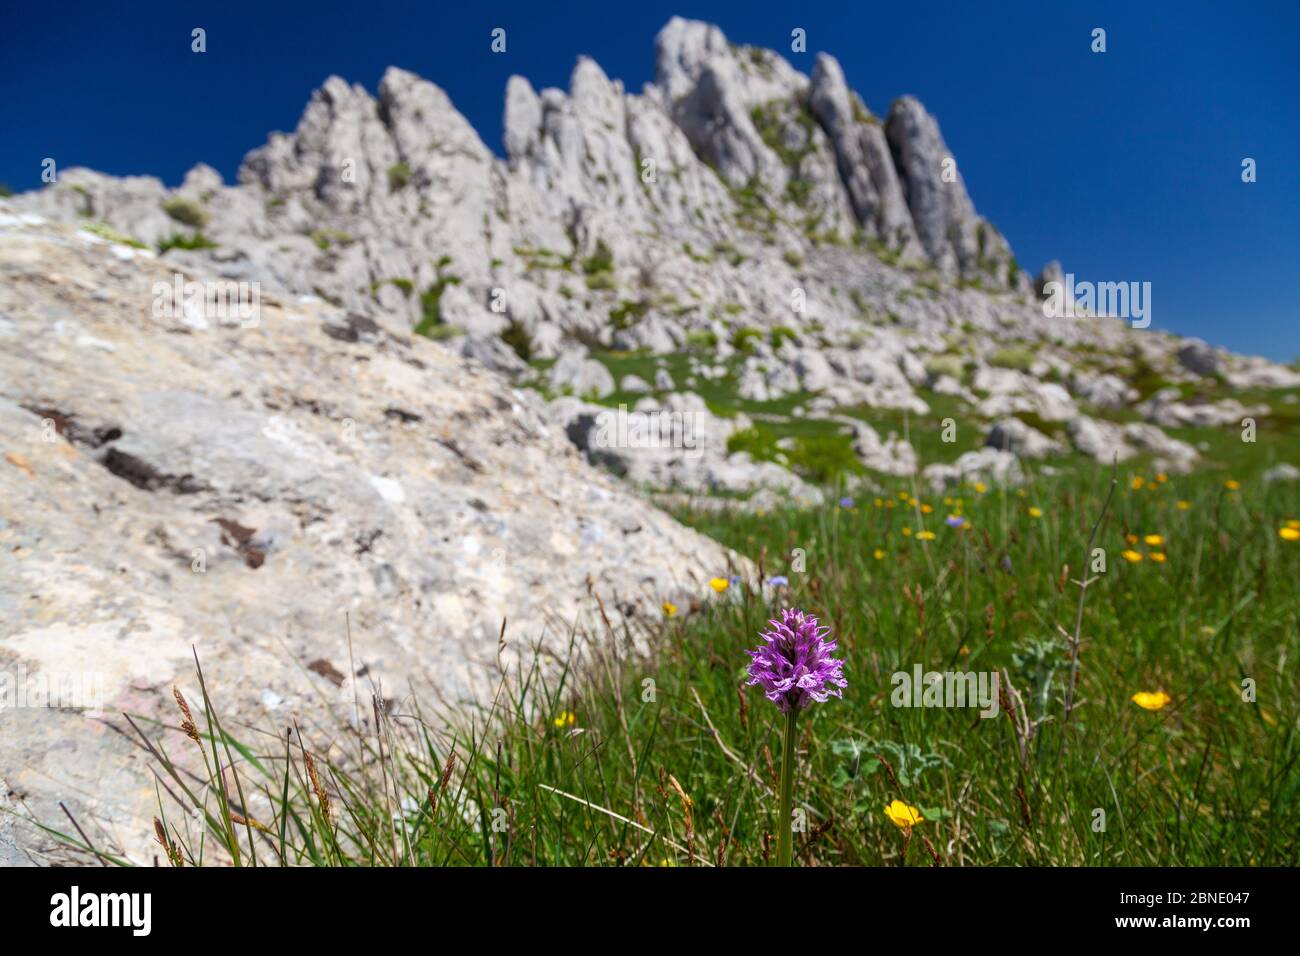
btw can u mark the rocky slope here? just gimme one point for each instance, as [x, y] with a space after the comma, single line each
[765, 221]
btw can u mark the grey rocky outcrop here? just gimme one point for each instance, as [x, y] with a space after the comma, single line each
[1022, 440]
[1167, 409]
[673, 445]
[890, 456]
[863, 157]
[1108, 441]
[954, 237]
[1198, 357]
[992, 466]
[575, 373]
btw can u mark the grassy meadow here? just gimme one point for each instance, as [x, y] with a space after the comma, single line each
[621, 758]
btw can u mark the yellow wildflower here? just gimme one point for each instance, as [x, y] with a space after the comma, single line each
[1232, 484]
[926, 536]
[1158, 557]
[903, 816]
[719, 584]
[566, 718]
[1184, 505]
[1154, 540]
[878, 554]
[1131, 556]
[1035, 511]
[1148, 700]
[670, 609]
[1289, 534]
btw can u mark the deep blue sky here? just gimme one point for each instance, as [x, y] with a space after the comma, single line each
[1124, 165]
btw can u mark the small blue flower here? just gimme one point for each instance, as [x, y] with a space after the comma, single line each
[846, 502]
[955, 521]
[778, 581]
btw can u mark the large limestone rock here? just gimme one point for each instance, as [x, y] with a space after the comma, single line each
[892, 456]
[1106, 442]
[1166, 409]
[988, 465]
[574, 372]
[1104, 391]
[674, 445]
[1022, 440]
[170, 479]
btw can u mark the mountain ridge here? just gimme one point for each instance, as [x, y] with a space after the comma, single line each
[759, 218]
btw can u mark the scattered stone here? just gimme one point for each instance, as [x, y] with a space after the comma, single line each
[991, 466]
[576, 373]
[1281, 472]
[1013, 435]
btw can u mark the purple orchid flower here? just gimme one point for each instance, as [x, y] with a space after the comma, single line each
[794, 664]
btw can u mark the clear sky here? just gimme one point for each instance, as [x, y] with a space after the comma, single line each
[1125, 165]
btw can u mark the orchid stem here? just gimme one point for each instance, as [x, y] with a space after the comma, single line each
[784, 843]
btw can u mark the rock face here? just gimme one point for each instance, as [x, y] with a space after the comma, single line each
[954, 238]
[169, 480]
[863, 158]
